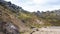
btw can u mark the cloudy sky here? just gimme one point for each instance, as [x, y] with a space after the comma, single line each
[34, 5]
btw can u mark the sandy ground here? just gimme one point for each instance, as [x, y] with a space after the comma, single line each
[47, 31]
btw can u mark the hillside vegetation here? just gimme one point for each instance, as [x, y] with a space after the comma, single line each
[24, 20]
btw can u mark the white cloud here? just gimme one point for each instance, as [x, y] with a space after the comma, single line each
[39, 1]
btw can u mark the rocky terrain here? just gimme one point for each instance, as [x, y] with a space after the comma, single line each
[6, 25]
[16, 20]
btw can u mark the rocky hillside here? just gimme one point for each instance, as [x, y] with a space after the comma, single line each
[6, 25]
[53, 17]
[16, 20]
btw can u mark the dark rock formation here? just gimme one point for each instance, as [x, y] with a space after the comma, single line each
[7, 26]
[10, 6]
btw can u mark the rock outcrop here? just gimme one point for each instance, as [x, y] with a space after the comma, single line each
[6, 25]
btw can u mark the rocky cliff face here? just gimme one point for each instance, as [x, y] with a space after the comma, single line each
[9, 23]
[7, 26]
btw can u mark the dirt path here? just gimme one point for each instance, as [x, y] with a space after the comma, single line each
[48, 31]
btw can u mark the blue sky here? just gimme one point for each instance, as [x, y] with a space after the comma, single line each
[34, 5]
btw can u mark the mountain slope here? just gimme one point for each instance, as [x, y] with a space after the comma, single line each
[9, 16]
[22, 21]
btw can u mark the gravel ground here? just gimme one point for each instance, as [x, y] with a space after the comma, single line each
[47, 31]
